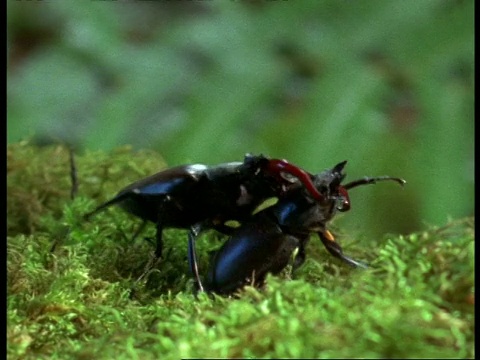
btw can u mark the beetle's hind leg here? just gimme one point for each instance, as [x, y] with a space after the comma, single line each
[156, 255]
[153, 261]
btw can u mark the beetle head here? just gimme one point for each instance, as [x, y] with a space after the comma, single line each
[328, 183]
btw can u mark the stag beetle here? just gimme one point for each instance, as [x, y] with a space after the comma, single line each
[265, 242]
[199, 197]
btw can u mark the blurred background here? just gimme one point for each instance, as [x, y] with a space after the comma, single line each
[387, 85]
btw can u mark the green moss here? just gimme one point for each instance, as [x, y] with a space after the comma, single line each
[415, 301]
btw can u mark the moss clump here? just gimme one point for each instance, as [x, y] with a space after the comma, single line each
[415, 301]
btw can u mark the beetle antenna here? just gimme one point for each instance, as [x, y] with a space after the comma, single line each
[372, 180]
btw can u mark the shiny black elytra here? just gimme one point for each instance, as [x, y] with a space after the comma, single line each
[199, 197]
[265, 242]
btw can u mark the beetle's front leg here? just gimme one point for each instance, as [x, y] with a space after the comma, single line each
[336, 250]
[301, 254]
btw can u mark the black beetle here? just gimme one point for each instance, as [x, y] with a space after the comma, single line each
[199, 197]
[265, 242]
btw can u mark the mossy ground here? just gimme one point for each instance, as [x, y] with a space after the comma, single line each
[415, 301]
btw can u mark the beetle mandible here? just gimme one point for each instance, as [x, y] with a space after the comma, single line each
[265, 242]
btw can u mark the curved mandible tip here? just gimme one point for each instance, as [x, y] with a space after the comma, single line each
[277, 166]
[339, 167]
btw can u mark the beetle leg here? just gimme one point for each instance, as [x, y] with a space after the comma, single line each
[159, 240]
[162, 208]
[193, 234]
[154, 256]
[157, 254]
[150, 265]
[301, 254]
[336, 250]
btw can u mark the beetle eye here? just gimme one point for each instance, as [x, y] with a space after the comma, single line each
[341, 203]
[343, 200]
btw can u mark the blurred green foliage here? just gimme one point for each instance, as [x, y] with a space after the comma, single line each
[386, 84]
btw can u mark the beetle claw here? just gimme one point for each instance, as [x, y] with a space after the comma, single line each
[354, 263]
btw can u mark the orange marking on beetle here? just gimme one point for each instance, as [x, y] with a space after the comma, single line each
[329, 236]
